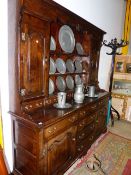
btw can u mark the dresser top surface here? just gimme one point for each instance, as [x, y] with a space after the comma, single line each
[49, 115]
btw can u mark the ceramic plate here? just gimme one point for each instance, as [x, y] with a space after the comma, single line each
[52, 43]
[51, 86]
[78, 80]
[79, 48]
[78, 66]
[70, 82]
[60, 65]
[52, 66]
[66, 39]
[60, 83]
[70, 66]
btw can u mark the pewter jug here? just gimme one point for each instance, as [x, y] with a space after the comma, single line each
[79, 94]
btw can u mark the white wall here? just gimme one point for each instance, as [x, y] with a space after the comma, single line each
[105, 14]
[4, 84]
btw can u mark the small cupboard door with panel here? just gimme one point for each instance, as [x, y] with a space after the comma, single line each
[34, 51]
[61, 150]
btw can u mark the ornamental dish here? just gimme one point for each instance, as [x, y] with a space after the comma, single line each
[70, 82]
[79, 49]
[60, 65]
[78, 80]
[66, 39]
[52, 44]
[78, 66]
[70, 66]
[52, 66]
[60, 83]
[51, 86]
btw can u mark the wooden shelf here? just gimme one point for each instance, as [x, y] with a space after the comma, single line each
[68, 54]
[68, 73]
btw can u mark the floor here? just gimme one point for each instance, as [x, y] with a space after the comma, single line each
[122, 128]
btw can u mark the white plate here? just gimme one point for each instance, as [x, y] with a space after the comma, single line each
[66, 39]
[60, 65]
[66, 106]
[52, 66]
[79, 48]
[52, 43]
[60, 83]
[51, 86]
[78, 80]
[70, 82]
[78, 66]
[70, 66]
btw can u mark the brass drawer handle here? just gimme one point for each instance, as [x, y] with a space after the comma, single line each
[92, 127]
[91, 138]
[72, 119]
[82, 113]
[80, 148]
[52, 131]
[82, 124]
[82, 136]
[74, 139]
[101, 112]
[93, 107]
[92, 116]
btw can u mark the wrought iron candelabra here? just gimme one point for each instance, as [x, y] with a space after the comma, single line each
[114, 45]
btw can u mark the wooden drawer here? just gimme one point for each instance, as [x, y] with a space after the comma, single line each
[86, 111]
[88, 119]
[85, 132]
[54, 129]
[85, 144]
[103, 102]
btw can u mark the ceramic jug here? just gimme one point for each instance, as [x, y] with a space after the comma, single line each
[79, 94]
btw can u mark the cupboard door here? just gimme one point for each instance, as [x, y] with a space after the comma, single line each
[101, 120]
[34, 45]
[61, 150]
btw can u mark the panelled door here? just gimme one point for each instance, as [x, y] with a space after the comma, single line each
[61, 150]
[34, 53]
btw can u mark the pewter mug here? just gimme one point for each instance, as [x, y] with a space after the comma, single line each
[79, 94]
[61, 99]
[91, 92]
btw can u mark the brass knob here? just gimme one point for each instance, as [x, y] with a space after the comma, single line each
[74, 139]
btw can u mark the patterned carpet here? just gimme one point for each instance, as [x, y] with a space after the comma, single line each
[114, 153]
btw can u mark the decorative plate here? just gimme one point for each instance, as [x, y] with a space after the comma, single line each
[78, 80]
[78, 66]
[70, 66]
[60, 65]
[66, 39]
[52, 66]
[79, 49]
[60, 83]
[52, 43]
[51, 86]
[70, 82]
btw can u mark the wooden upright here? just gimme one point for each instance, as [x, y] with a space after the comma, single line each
[46, 140]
